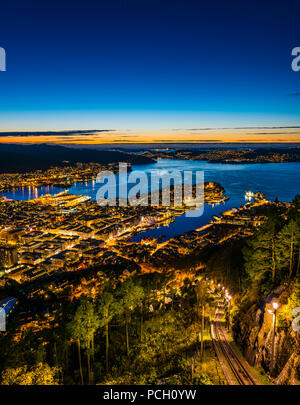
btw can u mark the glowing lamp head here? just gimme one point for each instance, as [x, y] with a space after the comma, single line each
[275, 305]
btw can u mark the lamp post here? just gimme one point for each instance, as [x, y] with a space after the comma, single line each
[275, 307]
[229, 300]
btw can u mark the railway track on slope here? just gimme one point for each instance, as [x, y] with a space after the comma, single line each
[236, 366]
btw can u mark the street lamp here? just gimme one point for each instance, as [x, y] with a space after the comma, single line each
[228, 299]
[275, 307]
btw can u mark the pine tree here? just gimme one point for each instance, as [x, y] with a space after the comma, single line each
[260, 253]
[287, 247]
[107, 310]
[82, 329]
[131, 297]
[202, 298]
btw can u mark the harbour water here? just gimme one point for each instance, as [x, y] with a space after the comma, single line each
[280, 180]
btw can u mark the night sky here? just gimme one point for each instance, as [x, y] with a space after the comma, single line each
[159, 65]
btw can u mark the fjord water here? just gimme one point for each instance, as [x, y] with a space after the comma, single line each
[280, 180]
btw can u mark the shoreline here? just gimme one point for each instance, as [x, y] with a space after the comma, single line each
[51, 183]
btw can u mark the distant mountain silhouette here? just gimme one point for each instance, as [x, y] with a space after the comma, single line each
[25, 158]
[54, 133]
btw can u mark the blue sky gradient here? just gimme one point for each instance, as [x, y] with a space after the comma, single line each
[148, 65]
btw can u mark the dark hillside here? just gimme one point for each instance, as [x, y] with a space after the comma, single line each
[23, 158]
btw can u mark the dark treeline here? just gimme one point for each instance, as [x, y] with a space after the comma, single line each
[272, 256]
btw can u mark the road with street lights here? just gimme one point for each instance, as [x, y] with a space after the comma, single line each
[234, 367]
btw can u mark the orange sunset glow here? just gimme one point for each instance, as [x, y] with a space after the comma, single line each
[250, 135]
